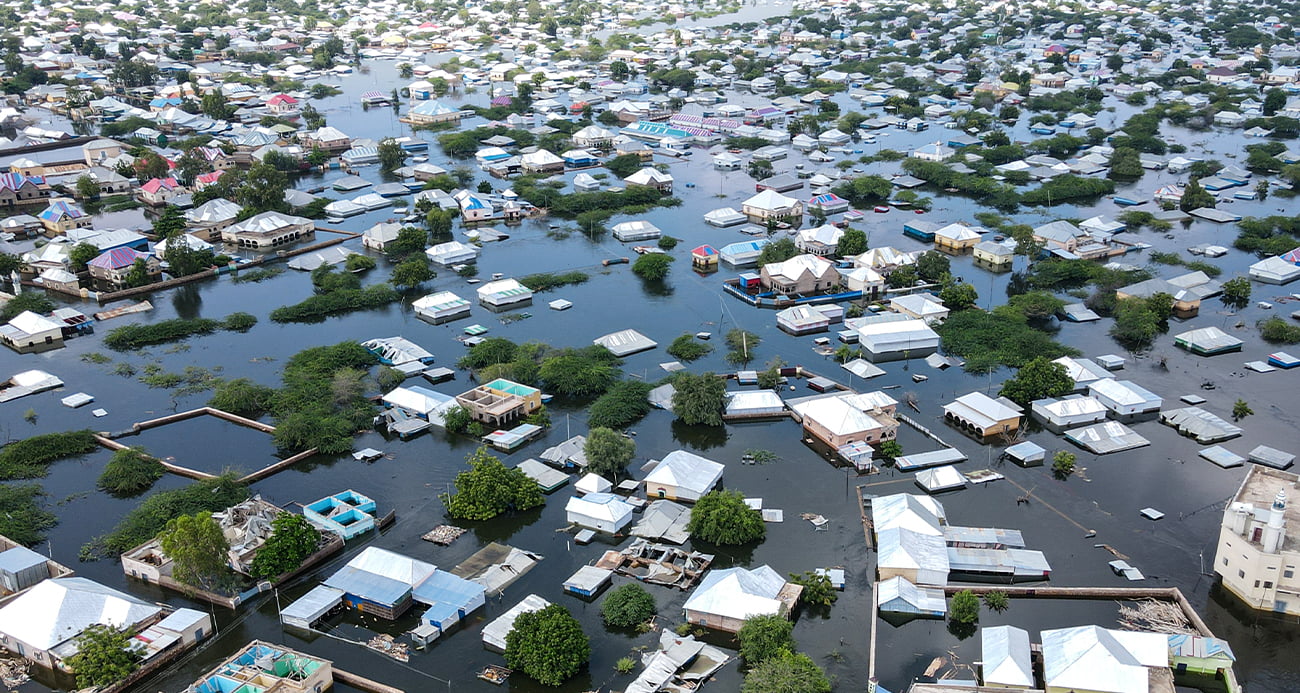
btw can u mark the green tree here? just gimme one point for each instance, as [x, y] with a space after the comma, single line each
[997, 601]
[959, 296]
[687, 348]
[817, 588]
[764, 637]
[104, 656]
[1125, 162]
[890, 450]
[184, 260]
[547, 645]
[412, 272]
[262, 189]
[608, 452]
[391, 155]
[787, 672]
[1195, 197]
[1236, 292]
[779, 250]
[699, 400]
[1240, 410]
[292, 540]
[1274, 101]
[933, 266]
[87, 188]
[197, 549]
[1038, 379]
[1136, 325]
[10, 263]
[622, 405]
[1063, 464]
[627, 606]
[852, 243]
[489, 488]
[653, 266]
[722, 518]
[624, 165]
[81, 254]
[575, 373]
[129, 472]
[138, 275]
[964, 608]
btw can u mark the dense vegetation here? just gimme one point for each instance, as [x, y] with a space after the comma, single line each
[687, 348]
[21, 517]
[292, 540]
[572, 372]
[105, 655]
[130, 471]
[489, 488]
[699, 400]
[148, 518]
[316, 308]
[723, 518]
[323, 401]
[545, 281]
[622, 405]
[627, 606]
[29, 458]
[547, 645]
[1002, 337]
[176, 329]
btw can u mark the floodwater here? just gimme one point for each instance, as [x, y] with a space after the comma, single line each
[1105, 496]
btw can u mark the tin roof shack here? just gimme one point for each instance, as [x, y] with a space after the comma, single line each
[571, 454]
[43, 624]
[1275, 270]
[664, 520]
[1006, 658]
[588, 581]
[1196, 654]
[840, 419]
[682, 476]
[1098, 660]
[30, 333]
[441, 307]
[347, 514]
[1126, 400]
[982, 416]
[639, 230]
[749, 404]
[1083, 372]
[386, 584]
[1207, 341]
[896, 596]
[1058, 415]
[504, 292]
[801, 320]
[451, 253]
[727, 598]
[261, 667]
[1200, 424]
[917, 557]
[1188, 290]
[494, 633]
[681, 664]
[1259, 541]
[893, 337]
[500, 402]
[22, 568]
[1026, 454]
[1106, 437]
[625, 342]
[604, 512]
[547, 479]
[921, 306]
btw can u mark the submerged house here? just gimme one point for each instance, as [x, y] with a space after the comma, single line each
[682, 476]
[1125, 399]
[347, 514]
[899, 597]
[500, 402]
[260, 667]
[1095, 659]
[604, 512]
[1006, 658]
[800, 275]
[983, 416]
[841, 419]
[726, 599]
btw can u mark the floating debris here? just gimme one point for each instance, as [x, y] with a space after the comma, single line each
[385, 644]
[443, 535]
[1151, 615]
[494, 674]
[13, 673]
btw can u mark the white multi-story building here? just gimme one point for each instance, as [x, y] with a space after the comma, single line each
[1257, 555]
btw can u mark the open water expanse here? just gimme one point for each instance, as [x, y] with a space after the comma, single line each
[1105, 496]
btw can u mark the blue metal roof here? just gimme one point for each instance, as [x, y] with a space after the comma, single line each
[369, 586]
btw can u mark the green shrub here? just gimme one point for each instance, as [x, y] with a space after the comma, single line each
[627, 606]
[238, 322]
[29, 458]
[136, 336]
[21, 518]
[146, 520]
[688, 348]
[129, 472]
[622, 405]
[318, 307]
[545, 281]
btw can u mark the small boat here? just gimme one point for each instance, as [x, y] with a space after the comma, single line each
[880, 209]
[918, 378]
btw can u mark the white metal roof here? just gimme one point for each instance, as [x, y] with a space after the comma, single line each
[981, 410]
[57, 610]
[1096, 659]
[604, 507]
[738, 593]
[686, 470]
[1005, 651]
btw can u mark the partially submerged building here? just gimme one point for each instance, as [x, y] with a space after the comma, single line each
[1259, 542]
[983, 416]
[726, 599]
[500, 402]
[261, 667]
[682, 476]
[840, 419]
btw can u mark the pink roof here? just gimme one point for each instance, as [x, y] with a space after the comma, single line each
[158, 184]
[282, 99]
[118, 258]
